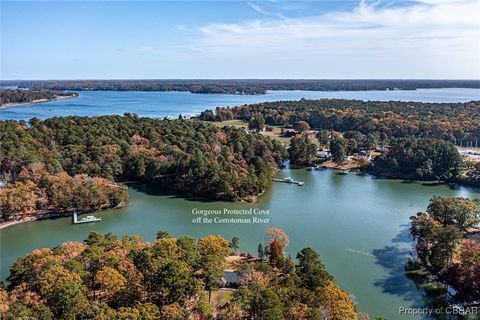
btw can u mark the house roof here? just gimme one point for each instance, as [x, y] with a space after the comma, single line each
[230, 276]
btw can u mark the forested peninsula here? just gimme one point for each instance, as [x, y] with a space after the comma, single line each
[453, 122]
[13, 97]
[246, 86]
[406, 140]
[126, 278]
[68, 164]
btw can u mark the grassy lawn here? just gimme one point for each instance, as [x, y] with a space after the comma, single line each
[219, 297]
[274, 134]
[235, 123]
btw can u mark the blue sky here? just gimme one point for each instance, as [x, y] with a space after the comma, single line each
[236, 39]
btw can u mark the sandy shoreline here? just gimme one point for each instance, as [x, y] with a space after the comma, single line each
[6, 224]
[17, 104]
[40, 216]
[52, 215]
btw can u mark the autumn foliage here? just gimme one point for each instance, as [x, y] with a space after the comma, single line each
[36, 192]
[112, 278]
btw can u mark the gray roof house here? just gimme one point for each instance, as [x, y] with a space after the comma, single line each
[231, 279]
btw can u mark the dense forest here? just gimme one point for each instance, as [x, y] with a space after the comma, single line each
[419, 159]
[302, 150]
[185, 155]
[36, 193]
[248, 86]
[443, 245]
[23, 96]
[112, 278]
[454, 122]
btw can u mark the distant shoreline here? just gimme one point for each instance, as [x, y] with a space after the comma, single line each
[18, 104]
[238, 86]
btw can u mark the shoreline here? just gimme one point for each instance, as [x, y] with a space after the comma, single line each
[49, 215]
[248, 199]
[6, 224]
[54, 215]
[18, 104]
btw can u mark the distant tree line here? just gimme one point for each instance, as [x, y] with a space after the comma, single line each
[249, 86]
[185, 155]
[106, 277]
[141, 85]
[452, 122]
[23, 96]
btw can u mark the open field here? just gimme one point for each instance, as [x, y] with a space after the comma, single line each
[274, 134]
[235, 123]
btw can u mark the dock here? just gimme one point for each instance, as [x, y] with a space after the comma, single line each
[289, 180]
[87, 219]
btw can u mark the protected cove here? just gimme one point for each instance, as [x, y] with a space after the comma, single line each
[358, 224]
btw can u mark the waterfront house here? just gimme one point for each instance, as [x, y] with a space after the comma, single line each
[362, 156]
[473, 233]
[324, 154]
[231, 279]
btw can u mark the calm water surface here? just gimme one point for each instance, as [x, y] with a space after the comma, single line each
[161, 104]
[358, 224]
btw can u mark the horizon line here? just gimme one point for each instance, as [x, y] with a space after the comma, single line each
[257, 79]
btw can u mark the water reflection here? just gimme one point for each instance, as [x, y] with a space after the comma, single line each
[396, 282]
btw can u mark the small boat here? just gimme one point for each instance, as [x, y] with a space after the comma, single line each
[343, 172]
[300, 183]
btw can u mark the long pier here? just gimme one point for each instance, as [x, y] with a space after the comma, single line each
[88, 219]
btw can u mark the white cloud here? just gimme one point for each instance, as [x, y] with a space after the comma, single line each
[257, 8]
[427, 39]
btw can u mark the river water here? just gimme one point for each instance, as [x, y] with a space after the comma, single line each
[358, 224]
[161, 104]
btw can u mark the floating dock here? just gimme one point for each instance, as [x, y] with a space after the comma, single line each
[87, 219]
[290, 180]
